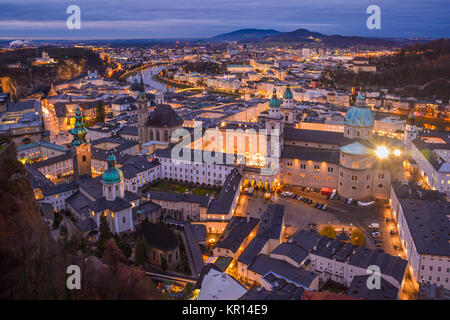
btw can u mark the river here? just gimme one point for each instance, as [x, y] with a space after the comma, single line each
[147, 76]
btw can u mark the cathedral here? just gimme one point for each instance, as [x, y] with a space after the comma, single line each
[356, 163]
[158, 125]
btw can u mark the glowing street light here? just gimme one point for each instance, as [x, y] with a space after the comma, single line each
[397, 152]
[382, 152]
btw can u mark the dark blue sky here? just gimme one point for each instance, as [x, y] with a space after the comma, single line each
[106, 19]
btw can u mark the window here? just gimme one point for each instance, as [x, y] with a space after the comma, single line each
[123, 219]
[380, 186]
[330, 169]
[381, 176]
[354, 178]
[355, 165]
[303, 166]
[316, 167]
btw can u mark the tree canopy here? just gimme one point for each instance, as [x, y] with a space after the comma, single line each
[328, 231]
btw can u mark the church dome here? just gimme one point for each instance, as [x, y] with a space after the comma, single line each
[274, 102]
[288, 93]
[112, 174]
[164, 116]
[359, 115]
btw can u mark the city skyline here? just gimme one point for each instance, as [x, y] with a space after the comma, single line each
[198, 19]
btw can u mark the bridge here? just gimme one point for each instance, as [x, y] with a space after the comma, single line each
[187, 89]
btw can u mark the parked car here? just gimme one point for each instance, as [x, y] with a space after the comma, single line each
[299, 198]
[376, 235]
[332, 197]
[310, 201]
[324, 207]
[374, 225]
[319, 206]
[350, 201]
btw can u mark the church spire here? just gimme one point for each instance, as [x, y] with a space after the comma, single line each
[274, 102]
[141, 85]
[79, 131]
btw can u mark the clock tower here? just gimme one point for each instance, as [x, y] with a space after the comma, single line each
[81, 148]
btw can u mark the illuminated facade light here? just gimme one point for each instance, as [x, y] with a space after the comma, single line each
[382, 152]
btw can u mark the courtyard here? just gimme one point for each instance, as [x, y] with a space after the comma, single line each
[179, 187]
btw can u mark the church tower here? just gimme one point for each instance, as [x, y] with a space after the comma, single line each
[274, 127]
[112, 180]
[81, 148]
[287, 107]
[410, 128]
[142, 103]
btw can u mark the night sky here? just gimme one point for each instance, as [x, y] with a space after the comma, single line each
[102, 19]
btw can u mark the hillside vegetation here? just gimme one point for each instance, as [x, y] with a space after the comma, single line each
[422, 71]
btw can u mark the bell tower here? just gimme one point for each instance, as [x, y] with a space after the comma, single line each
[287, 107]
[410, 128]
[81, 148]
[274, 127]
[142, 103]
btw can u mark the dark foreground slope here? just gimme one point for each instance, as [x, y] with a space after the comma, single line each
[33, 265]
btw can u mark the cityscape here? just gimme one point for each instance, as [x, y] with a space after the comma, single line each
[251, 164]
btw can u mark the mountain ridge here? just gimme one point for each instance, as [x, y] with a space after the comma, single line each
[305, 36]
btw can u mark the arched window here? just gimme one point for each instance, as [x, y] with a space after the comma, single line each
[157, 135]
[84, 158]
[380, 186]
[151, 134]
[123, 219]
[166, 135]
[354, 188]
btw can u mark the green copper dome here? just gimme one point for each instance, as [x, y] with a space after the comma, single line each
[274, 102]
[359, 115]
[79, 132]
[112, 174]
[288, 93]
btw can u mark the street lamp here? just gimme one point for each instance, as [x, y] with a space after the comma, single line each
[397, 152]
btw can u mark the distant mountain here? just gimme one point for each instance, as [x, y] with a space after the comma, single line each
[301, 36]
[245, 34]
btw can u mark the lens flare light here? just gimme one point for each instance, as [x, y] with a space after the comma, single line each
[382, 152]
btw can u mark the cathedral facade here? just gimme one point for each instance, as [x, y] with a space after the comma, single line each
[158, 125]
[356, 163]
